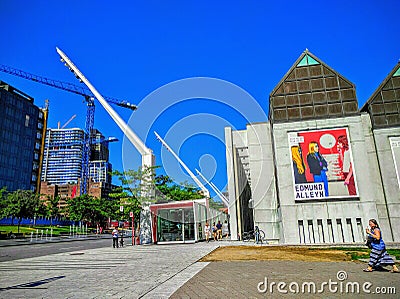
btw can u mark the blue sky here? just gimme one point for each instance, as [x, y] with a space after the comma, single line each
[146, 52]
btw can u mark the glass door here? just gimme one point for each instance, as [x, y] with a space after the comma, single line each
[188, 224]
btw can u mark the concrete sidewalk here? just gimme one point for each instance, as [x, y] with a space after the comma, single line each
[163, 271]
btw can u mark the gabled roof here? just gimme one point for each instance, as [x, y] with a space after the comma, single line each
[395, 72]
[307, 58]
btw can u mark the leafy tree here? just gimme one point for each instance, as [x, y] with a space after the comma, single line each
[137, 188]
[52, 207]
[174, 192]
[22, 204]
[3, 201]
[216, 205]
[84, 208]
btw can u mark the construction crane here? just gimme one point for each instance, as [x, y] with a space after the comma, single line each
[89, 98]
[67, 122]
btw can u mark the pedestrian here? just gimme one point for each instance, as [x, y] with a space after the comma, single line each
[115, 237]
[207, 231]
[378, 256]
[219, 230]
[214, 231]
[225, 229]
[257, 234]
[121, 241]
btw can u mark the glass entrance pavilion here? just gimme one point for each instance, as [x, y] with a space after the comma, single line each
[182, 221]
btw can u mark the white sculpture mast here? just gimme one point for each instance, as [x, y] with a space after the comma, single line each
[148, 158]
[219, 193]
[202, 187]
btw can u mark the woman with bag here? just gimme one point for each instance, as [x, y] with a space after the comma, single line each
[378, 256]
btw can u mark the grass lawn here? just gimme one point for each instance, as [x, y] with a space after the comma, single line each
[361, 253]
[27, 230]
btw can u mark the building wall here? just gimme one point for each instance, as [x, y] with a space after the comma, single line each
[343, 213]
[263, 188]
[389, 210]
[62, 160]
[238, 181]
[21, 132]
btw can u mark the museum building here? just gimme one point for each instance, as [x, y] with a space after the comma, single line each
[320, 168]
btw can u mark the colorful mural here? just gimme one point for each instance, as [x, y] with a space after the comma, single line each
[322, 164]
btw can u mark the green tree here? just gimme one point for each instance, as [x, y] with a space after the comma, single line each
[85, 208]
[216, 205]
[52, 207]
[3, 201]
[175, 192]
[23, 204]
[137, 188]
[91, 209]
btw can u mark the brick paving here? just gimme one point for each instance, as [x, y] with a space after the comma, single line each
[241, 280]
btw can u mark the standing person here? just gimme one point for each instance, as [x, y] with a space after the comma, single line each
[115, 237]
[257, 234]
[200, 232]
[318, 165]
[345, 164]
[121, 242]
[225, 229]
[207, 231]
[299, 168]
[219, 230]
[378, 256]
[214, 232]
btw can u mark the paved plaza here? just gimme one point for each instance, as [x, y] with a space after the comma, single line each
[163, 271]
[130, 272]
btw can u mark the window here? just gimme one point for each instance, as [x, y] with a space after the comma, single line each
[350, 228]
[311, 231]
[301, 232]
[27, 117]
[320, 231]
[340, 230]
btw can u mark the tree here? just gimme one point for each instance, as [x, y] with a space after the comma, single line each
[174, 192]
[3, 201]
[216, 205]
[137, 188]
[23, 204]
[52, 208]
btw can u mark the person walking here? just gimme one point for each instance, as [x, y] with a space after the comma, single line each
[207, 231]
[214, 231]
[115, 237]
[378, 256]
[219, 230]
[225, 229]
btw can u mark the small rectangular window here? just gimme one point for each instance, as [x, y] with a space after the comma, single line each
[301, 232]
[311, 235]
[340, 230]
[320, 231]
[27, 117]
[330, 231]
[360, 230]
[350, 228]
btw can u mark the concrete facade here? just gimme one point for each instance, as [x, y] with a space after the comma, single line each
[313, 101]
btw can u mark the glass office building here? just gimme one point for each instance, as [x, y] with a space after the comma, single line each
[22, 127]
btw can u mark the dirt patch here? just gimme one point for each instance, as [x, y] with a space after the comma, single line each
[268, 253]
